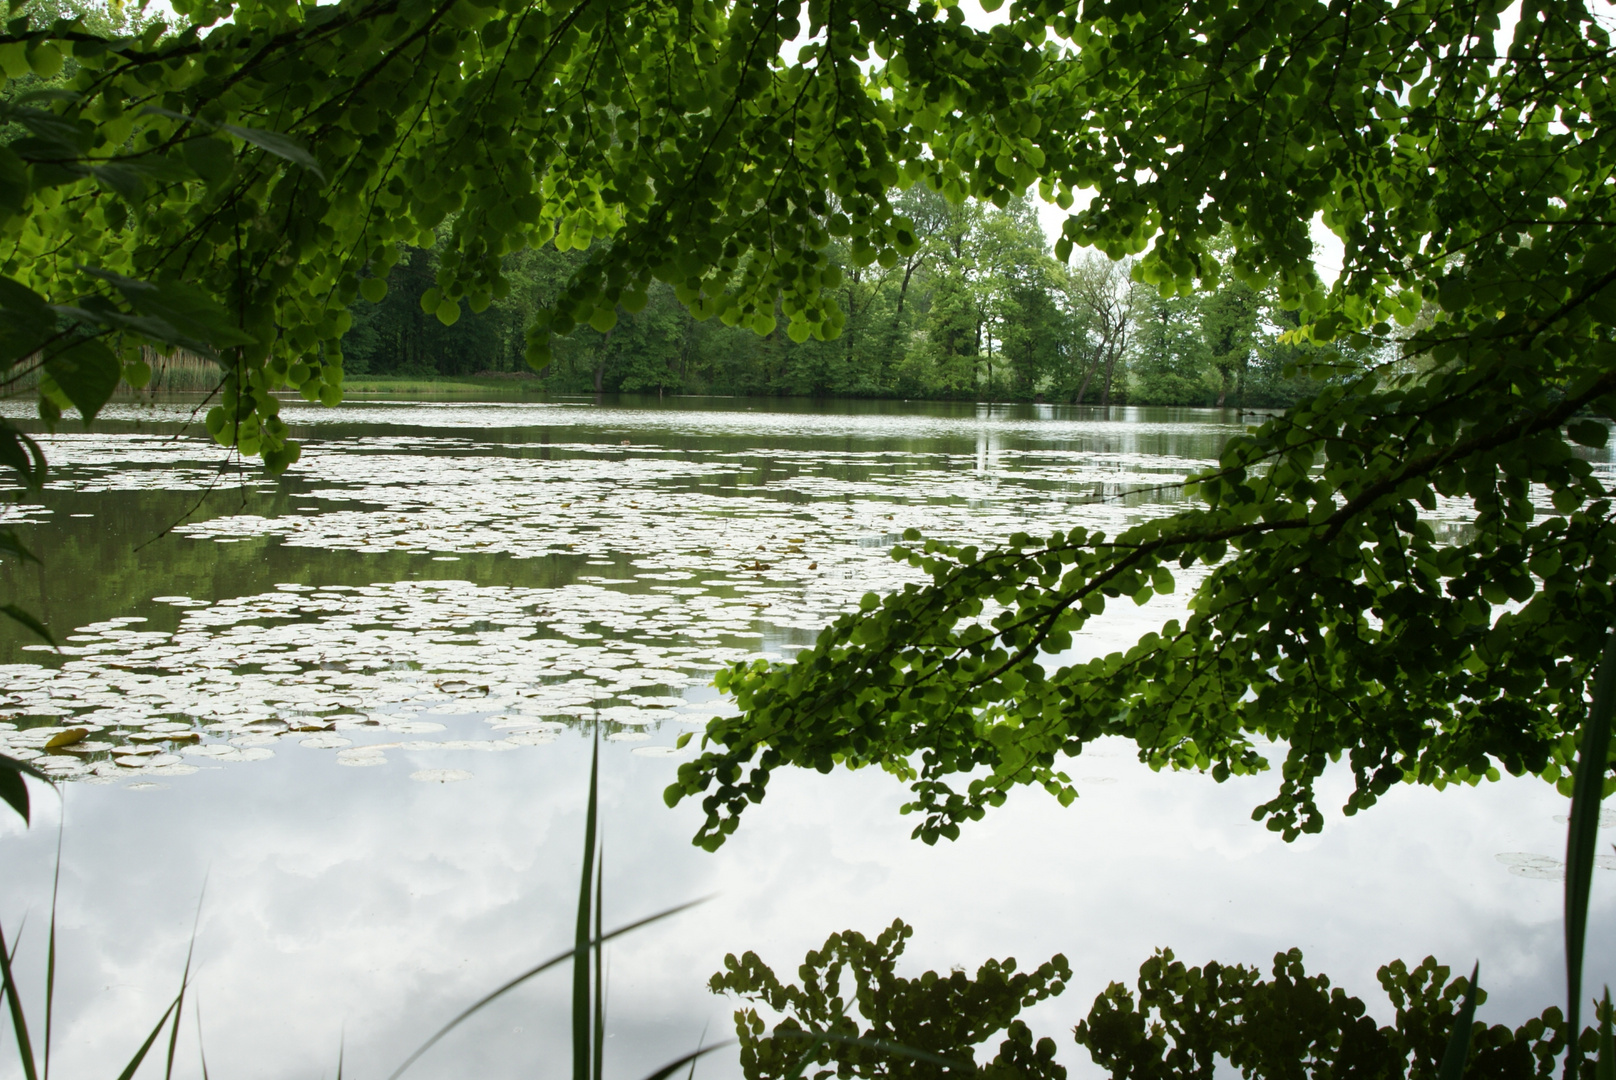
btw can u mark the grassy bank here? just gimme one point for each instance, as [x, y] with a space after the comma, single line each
[461, 386]
[183, 372]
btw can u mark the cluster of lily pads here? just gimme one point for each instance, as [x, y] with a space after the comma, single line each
[337, 667]
[681, 561]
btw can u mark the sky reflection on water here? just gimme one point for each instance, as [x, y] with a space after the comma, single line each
[356, 904]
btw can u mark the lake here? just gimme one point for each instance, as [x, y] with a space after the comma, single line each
[339, 723]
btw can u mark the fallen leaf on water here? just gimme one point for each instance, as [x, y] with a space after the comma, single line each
[66, 738]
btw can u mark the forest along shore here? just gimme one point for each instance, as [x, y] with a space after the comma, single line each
[981, 309]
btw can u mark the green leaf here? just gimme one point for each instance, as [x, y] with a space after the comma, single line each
[137, 373]
[122, 179]
[27, 322]
[211, 159]
[1588, 432]
[87, 372]
[20, 454]
[14, 185]
[282, 146]
[1457, 1053]
[1582, 836]
[12, 788]
[140, 1054]
[581, 1040]
[168, 311]
[14, 296]
[1606, 1066]
[539, 969]
[678, 1063]
[57, 135]
[886, 1046]
[8, 982]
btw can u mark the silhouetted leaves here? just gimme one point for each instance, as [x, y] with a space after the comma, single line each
[1182, 1020]
[910, 1027]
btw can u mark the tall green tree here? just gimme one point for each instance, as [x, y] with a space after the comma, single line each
[1228, 316]
[1020, 324]
[1332, 625]
[1171, 358]
[1102, 299]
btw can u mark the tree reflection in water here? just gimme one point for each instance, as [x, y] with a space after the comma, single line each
[1179, 1022]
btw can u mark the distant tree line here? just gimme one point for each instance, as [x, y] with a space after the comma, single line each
[980, 310]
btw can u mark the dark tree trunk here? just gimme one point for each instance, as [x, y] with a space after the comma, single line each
[1088, 377]
[600, 359]
[1105, 390]
[903, 290]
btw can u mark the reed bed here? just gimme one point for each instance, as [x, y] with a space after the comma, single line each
[445, 387]
[179, 371]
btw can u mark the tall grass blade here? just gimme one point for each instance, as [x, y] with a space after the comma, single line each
[185, 981]
[580, 948]
[202, 1051]
[804, 1061]
[600, 963]
[50, 956]
[19, 1023]
[140, 1055]
[689, 1059]
[699, 1041]
[898, 1049]
[1605, 1068]
[1588, 788]
[1458, 1051]
[559, 958]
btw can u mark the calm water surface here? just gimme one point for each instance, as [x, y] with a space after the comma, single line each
[350, 702]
